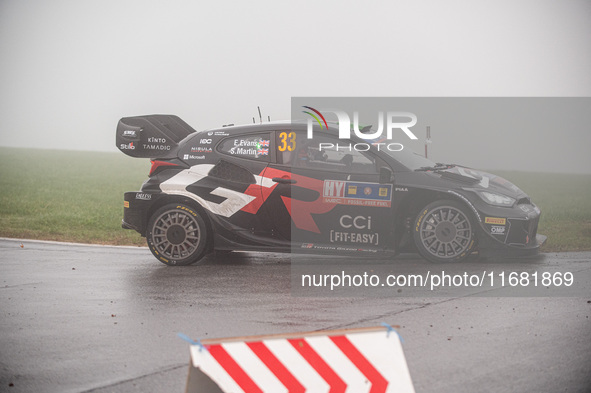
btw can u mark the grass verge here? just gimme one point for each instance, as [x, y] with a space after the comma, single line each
[67, 195]
[565, 201]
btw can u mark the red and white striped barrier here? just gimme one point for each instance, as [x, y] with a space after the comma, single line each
[355, 360]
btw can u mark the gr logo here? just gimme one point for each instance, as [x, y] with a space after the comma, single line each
[359, 222]
[393, 121]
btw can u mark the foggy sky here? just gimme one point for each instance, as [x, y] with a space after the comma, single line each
[70, 69]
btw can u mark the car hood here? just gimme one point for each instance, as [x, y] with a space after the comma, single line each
[475, 179]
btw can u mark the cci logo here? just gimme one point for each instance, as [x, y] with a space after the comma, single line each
[359, 222]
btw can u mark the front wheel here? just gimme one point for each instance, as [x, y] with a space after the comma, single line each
[177, 235]
[444, 232]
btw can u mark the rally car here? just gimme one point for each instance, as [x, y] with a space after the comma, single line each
[270, 187]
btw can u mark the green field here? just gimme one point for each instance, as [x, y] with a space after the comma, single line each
[78, 197]
[67, 196]
[565, 201]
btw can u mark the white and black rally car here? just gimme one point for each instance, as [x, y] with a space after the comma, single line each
[267, 187]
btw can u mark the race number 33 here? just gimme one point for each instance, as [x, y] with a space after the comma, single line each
[287, 141]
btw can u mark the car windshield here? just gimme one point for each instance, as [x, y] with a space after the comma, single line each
[406, 156]
[410, 159]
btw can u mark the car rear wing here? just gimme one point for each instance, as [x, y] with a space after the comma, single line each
[151, 136]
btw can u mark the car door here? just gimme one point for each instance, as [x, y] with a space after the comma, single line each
[327, 195]
[236, 185]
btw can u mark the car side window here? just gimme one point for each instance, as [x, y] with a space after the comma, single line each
[323, 153]
[252, 146]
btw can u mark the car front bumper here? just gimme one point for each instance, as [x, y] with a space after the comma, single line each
[491, 249]
[512, 235]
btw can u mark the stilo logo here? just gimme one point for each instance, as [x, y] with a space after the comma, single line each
[344, 122]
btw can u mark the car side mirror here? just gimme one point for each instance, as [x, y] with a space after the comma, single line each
[386, 175]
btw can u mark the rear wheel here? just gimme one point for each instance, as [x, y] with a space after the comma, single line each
[177, 235]
[444, 232]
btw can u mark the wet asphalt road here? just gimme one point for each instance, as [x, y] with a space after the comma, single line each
[105, 319]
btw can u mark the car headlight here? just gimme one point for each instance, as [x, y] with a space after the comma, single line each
[496, 199]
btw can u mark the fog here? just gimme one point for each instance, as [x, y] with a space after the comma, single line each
[70, 69]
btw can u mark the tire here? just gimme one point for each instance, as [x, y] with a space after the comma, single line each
[444, 232]
[177, 235]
